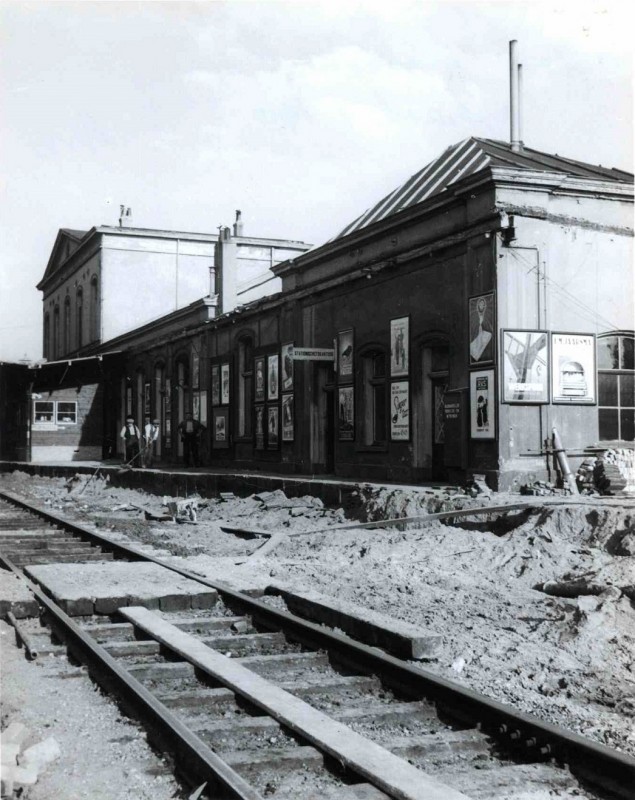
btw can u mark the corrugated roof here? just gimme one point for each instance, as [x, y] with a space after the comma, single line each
[466, 158]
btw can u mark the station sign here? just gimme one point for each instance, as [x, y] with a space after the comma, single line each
[313, 354]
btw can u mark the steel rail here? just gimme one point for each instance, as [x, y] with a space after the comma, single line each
[196, 762]
[537, 739]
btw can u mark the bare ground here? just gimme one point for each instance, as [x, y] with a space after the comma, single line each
[568, 661]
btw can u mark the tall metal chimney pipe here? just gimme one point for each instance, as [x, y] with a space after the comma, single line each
[520, 106]
[513, 96]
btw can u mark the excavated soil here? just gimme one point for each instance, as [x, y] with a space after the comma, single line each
[568, 660]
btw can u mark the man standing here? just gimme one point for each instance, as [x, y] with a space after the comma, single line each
[150, 435]
[190, 430]
[131, 440]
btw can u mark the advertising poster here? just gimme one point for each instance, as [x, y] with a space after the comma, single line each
[287, 418]
[481, 329]
[286, 359]
[482, 405]
[260, 427]
[196, 376]
[224, 383]
[273, 376]
[146, 399]
[400, 411]
[260, 379]
[273, 436]
[221, 428]
[216, 385]
[345, 355]
[525, 367]
[196, 405]
[346, 414]
[573, 368]
[168, 397]
[399, 346]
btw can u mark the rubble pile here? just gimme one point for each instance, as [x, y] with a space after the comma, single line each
[22, 768]
[612, 472]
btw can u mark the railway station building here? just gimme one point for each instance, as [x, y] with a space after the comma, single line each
[441, 334]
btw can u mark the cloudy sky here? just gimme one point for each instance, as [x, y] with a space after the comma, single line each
[302, 114]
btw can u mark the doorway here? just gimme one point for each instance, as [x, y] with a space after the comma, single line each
[323, 420]
[429, 410]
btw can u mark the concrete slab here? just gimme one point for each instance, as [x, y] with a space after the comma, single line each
[370, 627]
[102, 587]
[16, 597]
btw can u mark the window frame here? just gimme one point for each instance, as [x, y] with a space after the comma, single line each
[619, 372]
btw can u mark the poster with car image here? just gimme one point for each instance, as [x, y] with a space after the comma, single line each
[400, 411]
[482, 405]
[573, 368]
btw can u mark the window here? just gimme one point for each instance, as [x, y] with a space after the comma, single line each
[43, 411]
[47, 335]
[62, 412]
[245, 386]
[67, 325]
[66, 413]
[79, 306]
[616, 387]
[56, 332]
[374, 398]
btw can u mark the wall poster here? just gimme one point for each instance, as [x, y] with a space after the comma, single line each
[216, 385]
[203, 408]
[260, 427]
[224, 384]
[482, 405]
[346, 414]
[344, 351]
[168, 397]
[573, 368]
[286, 360]
[400, 411]
[196, 371]
[525, 362]
[196, 405]
[273, 435]
[273, 375]
[287, 418]
[259, 369]
[399, 346]
[220, 420]
[481, 329]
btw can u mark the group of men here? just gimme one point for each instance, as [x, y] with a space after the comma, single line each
[140, 449]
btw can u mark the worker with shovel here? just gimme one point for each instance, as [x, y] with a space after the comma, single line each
[131, 438]
[150, 436]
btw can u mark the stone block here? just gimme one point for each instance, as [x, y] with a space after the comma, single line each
[79, 607]
[205, 599]
[175, 602]
[108, 605]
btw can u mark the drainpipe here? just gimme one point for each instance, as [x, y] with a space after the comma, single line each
[513, 96]
[520, 106]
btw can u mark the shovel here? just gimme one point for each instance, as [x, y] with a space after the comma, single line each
[127, 467]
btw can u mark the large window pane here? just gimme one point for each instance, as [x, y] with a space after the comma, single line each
[627, 358]
[607, 389]
[627, 390]
[627, 424]
[608, 355]
[67, 412]
[44, 411]
[608, 424]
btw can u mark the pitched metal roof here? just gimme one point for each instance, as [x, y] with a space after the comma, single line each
[466, 158]
[73, 233]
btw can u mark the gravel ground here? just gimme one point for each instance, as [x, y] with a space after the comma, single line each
[570, 661]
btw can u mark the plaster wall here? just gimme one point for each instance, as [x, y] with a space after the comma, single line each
[146, 278]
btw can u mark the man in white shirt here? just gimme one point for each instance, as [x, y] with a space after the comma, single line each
[131, 440]
[150, 436]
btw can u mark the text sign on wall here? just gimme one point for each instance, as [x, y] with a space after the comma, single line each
[313, 354]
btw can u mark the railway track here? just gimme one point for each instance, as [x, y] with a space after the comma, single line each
[256, 702]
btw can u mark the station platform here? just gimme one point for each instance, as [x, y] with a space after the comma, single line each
[176, 481]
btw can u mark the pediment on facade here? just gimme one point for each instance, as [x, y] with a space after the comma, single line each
[66, 243]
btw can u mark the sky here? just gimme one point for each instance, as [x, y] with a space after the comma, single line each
[301, 114]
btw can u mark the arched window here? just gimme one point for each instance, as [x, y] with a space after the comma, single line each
[79, 317]
[94, 309]
[67, 325]
[374, 415]
[245, 386]
[47, 336]
[616, 386]
[56, 332]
